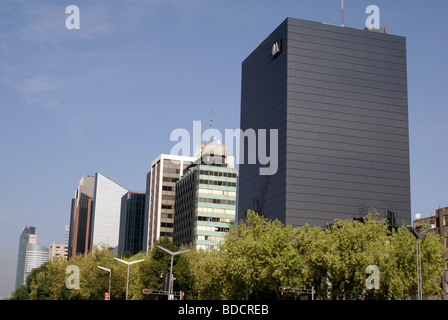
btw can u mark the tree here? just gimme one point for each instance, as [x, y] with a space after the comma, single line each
[350, 247]
[208, 272]
[185, 281]
[260, 256]
[399, 272]
[158, 262]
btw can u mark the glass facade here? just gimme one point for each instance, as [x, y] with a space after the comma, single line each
[105, 222]
[205, 206]
[132, 223]
[30, 256]
[338, 98]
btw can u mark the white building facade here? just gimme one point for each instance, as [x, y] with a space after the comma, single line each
[105, 225]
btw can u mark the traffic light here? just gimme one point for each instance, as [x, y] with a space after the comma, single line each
[166, 281]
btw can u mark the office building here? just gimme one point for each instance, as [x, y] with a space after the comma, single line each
[80, 217]
[30, 255]
[59, 251]
[338, 98]
[105, 218]
[67, 234]
[159, 212]
[132, 219]
[205, 199]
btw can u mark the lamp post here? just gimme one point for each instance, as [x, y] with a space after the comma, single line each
[170, 287]
[128, 263]
[418, 236]
[110, 274]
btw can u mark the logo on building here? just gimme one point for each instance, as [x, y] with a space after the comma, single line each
[276, 48]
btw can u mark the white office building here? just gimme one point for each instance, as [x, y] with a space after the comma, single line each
[105, 225]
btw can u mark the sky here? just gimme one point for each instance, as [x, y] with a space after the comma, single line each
[106, 97]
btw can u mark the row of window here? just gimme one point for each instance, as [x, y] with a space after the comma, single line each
[215, 219]
[212, 229]
[167, 216]
[217, 201]
[217, 192]
[217, 183]
[209, 219]
[166, 224]
[171, 170]
[218, 173]
[209, 238]
[216, 210]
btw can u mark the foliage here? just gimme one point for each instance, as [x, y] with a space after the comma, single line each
[258, 258]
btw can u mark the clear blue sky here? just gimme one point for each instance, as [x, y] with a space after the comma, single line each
[106, 97]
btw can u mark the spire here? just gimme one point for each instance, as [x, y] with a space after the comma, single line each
[211, 125]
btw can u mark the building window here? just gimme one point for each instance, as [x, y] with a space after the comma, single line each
[170, 170]
[217, 201]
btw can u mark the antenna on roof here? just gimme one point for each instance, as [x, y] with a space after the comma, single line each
[211, 119]
[342, 12]
[212, 138]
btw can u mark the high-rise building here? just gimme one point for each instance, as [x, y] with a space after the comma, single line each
[166, 169]
[30, 256]
[132, 219]
[105, 218]
[80, 218]
[67, 234]
[205, 199]
[338, 98]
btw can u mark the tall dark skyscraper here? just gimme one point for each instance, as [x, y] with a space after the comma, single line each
[132, 219]
[338, 97]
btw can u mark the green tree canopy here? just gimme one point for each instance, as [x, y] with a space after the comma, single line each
[257, 259]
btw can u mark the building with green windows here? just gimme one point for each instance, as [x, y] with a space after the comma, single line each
[205, 201]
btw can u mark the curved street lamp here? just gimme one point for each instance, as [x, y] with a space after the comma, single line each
[418, 236]
[110, 274]
[170, 287]
[128, 263]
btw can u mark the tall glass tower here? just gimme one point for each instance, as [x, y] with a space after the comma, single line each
[30, 256]
[338, 98]
[132, 219]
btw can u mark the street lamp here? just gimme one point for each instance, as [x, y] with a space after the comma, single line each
[128, 263]
[170, 287]
[418, 236]
[110, 274]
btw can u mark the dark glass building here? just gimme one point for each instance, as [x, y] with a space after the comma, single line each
[338, 98]
[132, 218]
